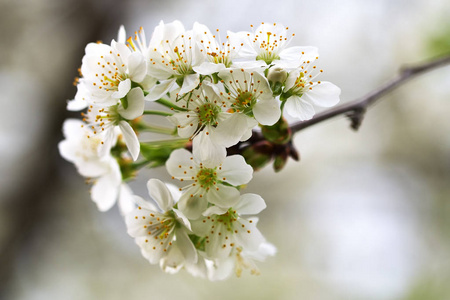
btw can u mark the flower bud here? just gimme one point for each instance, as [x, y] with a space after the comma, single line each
[276, 77]
[276, 74]
[259, 154]
[280, 160]
[278, 133]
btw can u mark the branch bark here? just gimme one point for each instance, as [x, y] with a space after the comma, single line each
[356, 109]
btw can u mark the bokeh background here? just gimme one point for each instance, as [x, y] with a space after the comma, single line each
[364, 215]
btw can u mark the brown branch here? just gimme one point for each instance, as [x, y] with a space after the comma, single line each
[356, 109]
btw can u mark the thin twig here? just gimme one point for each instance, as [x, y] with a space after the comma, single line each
[355, 109]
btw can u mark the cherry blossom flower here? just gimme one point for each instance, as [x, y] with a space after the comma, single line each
[82, 147]
[109, 73]
[173, 53]
[302, 92]
[213, 184]
[226, 230]
[106, 120]
[269, 44]
[161, 233]
[239, 259]
[219, 56]
[205, 110]
[251, 101]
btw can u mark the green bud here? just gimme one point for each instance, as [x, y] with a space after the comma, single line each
[279, 133]
[277, 74]
[258, 155]
[280, 161]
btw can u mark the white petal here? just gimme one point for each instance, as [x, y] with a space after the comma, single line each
[123, 89]
[159, 192]
[173, 261]
[192, 207]
[250, 204]
[92, 167]
[294, 54]
[186, 246]
[121, 36]
[144, 204]
[249, 237]
[190, 82]
[255, 65]
[73, 128]
[137, 221]
[126, 199]
[214, 210]
[224, 196]
[267, 112]
[198, 269]
[181, 157]
[136, 105]
[184, 120]
[181, 218]
[105, 190]
[175, 191]
[215, 247]
[208, 68]
[206, 151]
[109, 140]
[120, 48]
[130, 138]
[264, 250]
[299, 108]
[292, 77]
[230, 131]
[324, 94]
[76, 104]
[235, 170]
[222, 269]
[160, 90]
[137, 67]
[236, 39]
[163, 32]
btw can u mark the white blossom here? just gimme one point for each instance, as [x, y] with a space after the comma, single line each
[204, 111]
[304, 91]
[239, 260]
[109, 73]
[82, 147]
[173, 53]
[219, 55]
[268, 44]
[227, 230]
[251, 100]
[213, 184]
[107, 120]
[161, 232]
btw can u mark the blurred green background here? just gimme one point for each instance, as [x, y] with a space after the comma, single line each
[364, 215]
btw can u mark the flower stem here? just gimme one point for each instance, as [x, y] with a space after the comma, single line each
[170, 105]
[157, 112]
[157, 129]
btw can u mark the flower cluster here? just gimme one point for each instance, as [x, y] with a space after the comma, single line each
[213, 94]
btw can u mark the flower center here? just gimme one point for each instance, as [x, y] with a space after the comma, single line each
[110, 71]
[244, 101]
[268, 47]
[228, 218]
[220, 58]
[208, 113]
[299, 85]
[180, 64]
[207, 177]
[166, 226]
